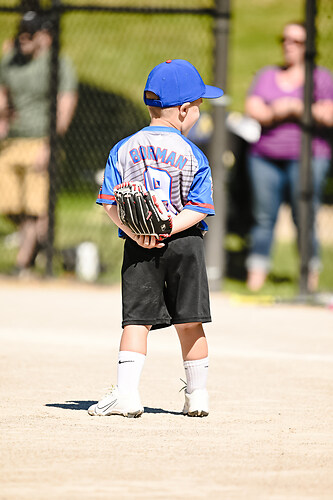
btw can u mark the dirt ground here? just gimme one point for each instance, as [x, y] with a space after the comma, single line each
[269, 434]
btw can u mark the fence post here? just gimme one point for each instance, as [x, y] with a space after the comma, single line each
[306, 214]
[54, 74]
[215, 255]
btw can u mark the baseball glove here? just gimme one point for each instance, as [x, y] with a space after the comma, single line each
[142, 211]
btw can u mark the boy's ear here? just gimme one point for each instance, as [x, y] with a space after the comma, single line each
[183, 109]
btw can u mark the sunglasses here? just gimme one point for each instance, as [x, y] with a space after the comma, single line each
[287, 39]
[26, 36]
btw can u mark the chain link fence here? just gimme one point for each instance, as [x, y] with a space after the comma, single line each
[113, 46]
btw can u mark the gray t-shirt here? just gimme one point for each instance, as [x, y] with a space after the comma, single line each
[28, 85]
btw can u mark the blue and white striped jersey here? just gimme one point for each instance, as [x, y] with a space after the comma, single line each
[166, 162]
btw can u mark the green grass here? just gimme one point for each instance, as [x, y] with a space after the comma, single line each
[79, 219]
[283, 280]
[7, 255]
[120, 50]
[118, 55]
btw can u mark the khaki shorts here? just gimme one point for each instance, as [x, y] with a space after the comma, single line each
[23, 190]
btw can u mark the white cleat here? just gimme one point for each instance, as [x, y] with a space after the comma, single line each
[196, 403]
[128, 405]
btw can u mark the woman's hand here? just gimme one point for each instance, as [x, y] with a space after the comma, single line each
[287, 108]
[323, 112]
[269, 114]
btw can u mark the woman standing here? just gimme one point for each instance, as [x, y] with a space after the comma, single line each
[275, 99]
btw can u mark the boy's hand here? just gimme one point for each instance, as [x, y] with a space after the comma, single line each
[148, 242]
[145, 241]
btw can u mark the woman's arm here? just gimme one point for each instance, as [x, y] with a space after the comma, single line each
[322, 112]
[256, 108]
[284, 108]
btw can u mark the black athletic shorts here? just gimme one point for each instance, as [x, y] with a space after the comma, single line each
[168, 285]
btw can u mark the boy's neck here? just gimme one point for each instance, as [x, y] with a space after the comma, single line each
[164, 122]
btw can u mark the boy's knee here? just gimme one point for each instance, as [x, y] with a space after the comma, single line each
[188, 327]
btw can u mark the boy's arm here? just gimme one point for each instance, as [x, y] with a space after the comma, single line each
[185, 219]
[111, 210]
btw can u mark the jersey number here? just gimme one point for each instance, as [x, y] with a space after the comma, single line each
[160, 181]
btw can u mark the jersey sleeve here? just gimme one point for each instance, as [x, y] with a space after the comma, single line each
[200, 197]
[111, 179]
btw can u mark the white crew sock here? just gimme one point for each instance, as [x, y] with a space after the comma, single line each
[196, 372]
[130, 366]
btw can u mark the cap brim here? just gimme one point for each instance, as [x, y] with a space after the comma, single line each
[212, 92]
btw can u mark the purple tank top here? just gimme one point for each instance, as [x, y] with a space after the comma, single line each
[284, 141]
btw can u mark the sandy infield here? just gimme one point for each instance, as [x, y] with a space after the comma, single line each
[269, 434]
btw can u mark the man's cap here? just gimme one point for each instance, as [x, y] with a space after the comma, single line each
[175, 82]
[32, 22]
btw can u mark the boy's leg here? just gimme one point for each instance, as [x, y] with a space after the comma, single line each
[124, 399]
[192, 340]
[134, 338]
[195, 356]
[131, 358]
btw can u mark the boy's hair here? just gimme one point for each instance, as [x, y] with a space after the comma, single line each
[151, 95]
[153, 110]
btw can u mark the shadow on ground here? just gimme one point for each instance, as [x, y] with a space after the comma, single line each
[84, 405]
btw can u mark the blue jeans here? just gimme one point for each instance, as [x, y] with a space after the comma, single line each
[273, 182]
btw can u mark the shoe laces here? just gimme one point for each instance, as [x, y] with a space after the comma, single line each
[185, 386]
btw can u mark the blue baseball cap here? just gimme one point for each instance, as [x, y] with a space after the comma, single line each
[175, 82]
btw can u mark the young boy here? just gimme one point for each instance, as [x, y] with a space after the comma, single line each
[164, 283]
